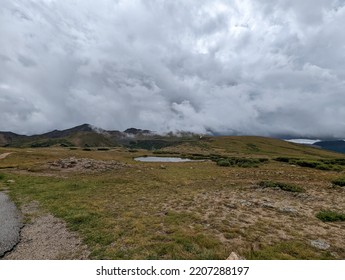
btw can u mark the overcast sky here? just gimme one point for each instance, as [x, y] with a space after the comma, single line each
[265, 67]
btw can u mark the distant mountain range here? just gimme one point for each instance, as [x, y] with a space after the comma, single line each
[334, 145]
[87, 135]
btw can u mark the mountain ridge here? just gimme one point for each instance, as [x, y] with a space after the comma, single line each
[87, 135]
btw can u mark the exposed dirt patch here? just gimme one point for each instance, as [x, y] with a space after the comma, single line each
[46, 237]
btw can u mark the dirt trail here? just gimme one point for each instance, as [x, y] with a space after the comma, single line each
[46, 237]
[4, 155]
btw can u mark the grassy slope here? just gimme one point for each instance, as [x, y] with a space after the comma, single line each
[253, 145]
[194, 210]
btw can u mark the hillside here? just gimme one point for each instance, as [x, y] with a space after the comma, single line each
[89, 136]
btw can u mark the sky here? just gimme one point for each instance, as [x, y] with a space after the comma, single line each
[241, 67]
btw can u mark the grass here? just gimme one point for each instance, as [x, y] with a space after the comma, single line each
[106, 211]
[191, 210]
[330, 216]
[2, 176]
[283, 186]
[289, 250]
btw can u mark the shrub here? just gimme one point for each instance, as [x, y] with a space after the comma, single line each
[103, 149]
[330, 216]
[2, 176]
[282, 186]
[240, 162]
[283, 159]
[338, 161]
[223, 162]
[339, 182]
[321, 164]
[305, 163]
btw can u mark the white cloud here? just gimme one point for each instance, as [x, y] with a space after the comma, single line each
[247, 67]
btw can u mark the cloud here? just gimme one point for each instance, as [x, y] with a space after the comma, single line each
[241, 67]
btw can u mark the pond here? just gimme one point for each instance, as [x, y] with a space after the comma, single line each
[162, 159]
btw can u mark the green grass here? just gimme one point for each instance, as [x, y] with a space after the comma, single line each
[330, 216]
[283, 186]
[289, 250]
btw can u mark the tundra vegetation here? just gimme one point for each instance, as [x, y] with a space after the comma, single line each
[259, 197]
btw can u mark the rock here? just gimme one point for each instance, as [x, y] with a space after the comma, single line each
[87, 165]
[10, 181]
[288, 209]
[234, 256]
[267, 205]
[84, 164]
[245, 202]
[230, 205]
[162, 167]
[320, 244]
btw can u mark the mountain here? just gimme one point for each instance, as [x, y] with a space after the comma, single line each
[337, 145]
[136, 131]
[86, 135]
[7, 138]
[67, 132]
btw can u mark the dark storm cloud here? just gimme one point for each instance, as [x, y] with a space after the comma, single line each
[249, 67]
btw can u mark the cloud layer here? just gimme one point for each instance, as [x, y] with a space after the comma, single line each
[234, 67]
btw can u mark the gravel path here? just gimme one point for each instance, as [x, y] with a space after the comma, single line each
[10, 224]
[46, 237]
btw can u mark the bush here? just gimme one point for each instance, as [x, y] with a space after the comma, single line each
[282, 186]
[2, 176]
[223, 162]
[305, 163]
[330, 216]
[283, 159]
[321, 164]
[103, 149]
[338, 161]
[240, 162]
[339, 182]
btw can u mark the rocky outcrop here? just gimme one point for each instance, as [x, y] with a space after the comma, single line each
[85, 164]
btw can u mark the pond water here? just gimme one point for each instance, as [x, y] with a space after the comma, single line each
[162, 159]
